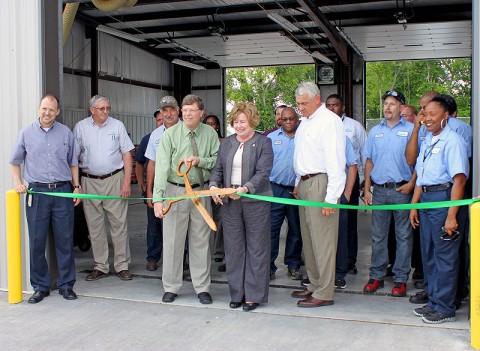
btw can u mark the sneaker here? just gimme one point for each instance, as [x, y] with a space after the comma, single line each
[399, 289]
[373, 285]
[422, 311]
[420, 297]
[437, 318]
[340, 284]
[295, 274]
[352, 270]
[272, 275]
[305, 282]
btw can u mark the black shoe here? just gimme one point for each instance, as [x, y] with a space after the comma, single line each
[68, 294]
[222, 268]
[389, 271]
[294, 274]
[272, 275]
[352, 270]
[38, 296]
[205, 298]
[305, 282]
[417, 275]
[419, 285]
[437, 318]
[423, 311]
[420, 297]
[234, 304]
[250, 306]
[340, 284]
[169, 297]
[218, 259]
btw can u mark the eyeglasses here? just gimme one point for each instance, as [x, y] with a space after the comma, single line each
[103, 109]
[187, 110]
[284, 119]
[407, 115]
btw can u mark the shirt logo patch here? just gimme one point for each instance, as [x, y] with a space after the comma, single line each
[277, 142]
[113, 136]
[378, 135]
[402, 134]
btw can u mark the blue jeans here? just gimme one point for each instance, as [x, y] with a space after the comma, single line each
[403, 234]
[44, 211]
[342, 245]
[293, 244]
[440, 258]
[352, 236]
[154, 236]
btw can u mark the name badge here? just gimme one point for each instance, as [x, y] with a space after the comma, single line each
[402, 134]
[378, 135]
[435, 150]
[277, 142]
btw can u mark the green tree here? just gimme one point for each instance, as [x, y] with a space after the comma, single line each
[266, 87]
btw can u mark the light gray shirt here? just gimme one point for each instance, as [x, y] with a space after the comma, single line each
[153, 143]
[100, 149]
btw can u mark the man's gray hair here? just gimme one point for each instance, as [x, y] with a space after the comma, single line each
[307, 88]
[96, 99]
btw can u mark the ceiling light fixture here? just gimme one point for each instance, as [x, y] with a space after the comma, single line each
[321, 57]
[119, 34]
[188, 64]
[286, 24]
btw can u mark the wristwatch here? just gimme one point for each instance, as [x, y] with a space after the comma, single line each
[77, 186]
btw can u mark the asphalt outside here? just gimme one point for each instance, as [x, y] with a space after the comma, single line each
[111, 314]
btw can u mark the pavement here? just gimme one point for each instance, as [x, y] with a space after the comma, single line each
[111, 314]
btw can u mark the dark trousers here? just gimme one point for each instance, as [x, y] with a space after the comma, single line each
[342, 245]
[293, 244]
[440, 258]
[154, 236]
[352, 234]
[43, 211]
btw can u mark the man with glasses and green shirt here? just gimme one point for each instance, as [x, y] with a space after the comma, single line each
[103, 149]
[195, 142]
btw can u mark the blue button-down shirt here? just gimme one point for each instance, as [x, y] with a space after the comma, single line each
[441, 159]
[47, 154]
[463, 129]
[283, 148]
[385, 146]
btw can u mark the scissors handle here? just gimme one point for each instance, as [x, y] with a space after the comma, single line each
[188, 164]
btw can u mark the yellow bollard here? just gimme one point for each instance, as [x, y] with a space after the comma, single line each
[14, 247]
[475, 276]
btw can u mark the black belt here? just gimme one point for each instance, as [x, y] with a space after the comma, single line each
[50, 185]
[283, 186]
[308, 176]
[100, 176]
[183, 185]
[439, 187]
[391, 185]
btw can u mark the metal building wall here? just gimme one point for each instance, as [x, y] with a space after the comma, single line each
[20, 91]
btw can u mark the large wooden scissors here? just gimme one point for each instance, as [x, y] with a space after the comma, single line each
[192, 195]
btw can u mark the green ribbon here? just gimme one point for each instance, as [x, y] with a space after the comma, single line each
[278, 200]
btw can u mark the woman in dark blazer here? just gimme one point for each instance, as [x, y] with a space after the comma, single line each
[244, 162]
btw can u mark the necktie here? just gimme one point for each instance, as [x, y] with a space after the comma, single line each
[195, 153]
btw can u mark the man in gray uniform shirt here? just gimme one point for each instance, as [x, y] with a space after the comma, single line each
[103, 148]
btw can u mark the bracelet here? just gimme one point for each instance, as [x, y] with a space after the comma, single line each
[77, 186]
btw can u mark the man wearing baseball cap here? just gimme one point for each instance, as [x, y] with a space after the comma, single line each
[387, 171]
[169, 110]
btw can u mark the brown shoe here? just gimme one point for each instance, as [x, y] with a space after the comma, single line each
[152, 266]
[125, 275]
[96, 275]
[313, 302]
[302, 294]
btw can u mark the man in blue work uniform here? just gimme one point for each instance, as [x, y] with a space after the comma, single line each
[46, 148]
[282, 179]
[386, 169]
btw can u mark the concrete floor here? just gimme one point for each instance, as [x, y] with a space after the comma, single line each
[111, 314]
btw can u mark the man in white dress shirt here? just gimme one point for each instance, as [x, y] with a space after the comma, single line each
[319, 162]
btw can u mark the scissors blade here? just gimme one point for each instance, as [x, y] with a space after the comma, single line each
[222, 192]
[205, 214]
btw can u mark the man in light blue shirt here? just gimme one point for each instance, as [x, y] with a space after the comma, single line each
[282, 179]
[386, 169]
